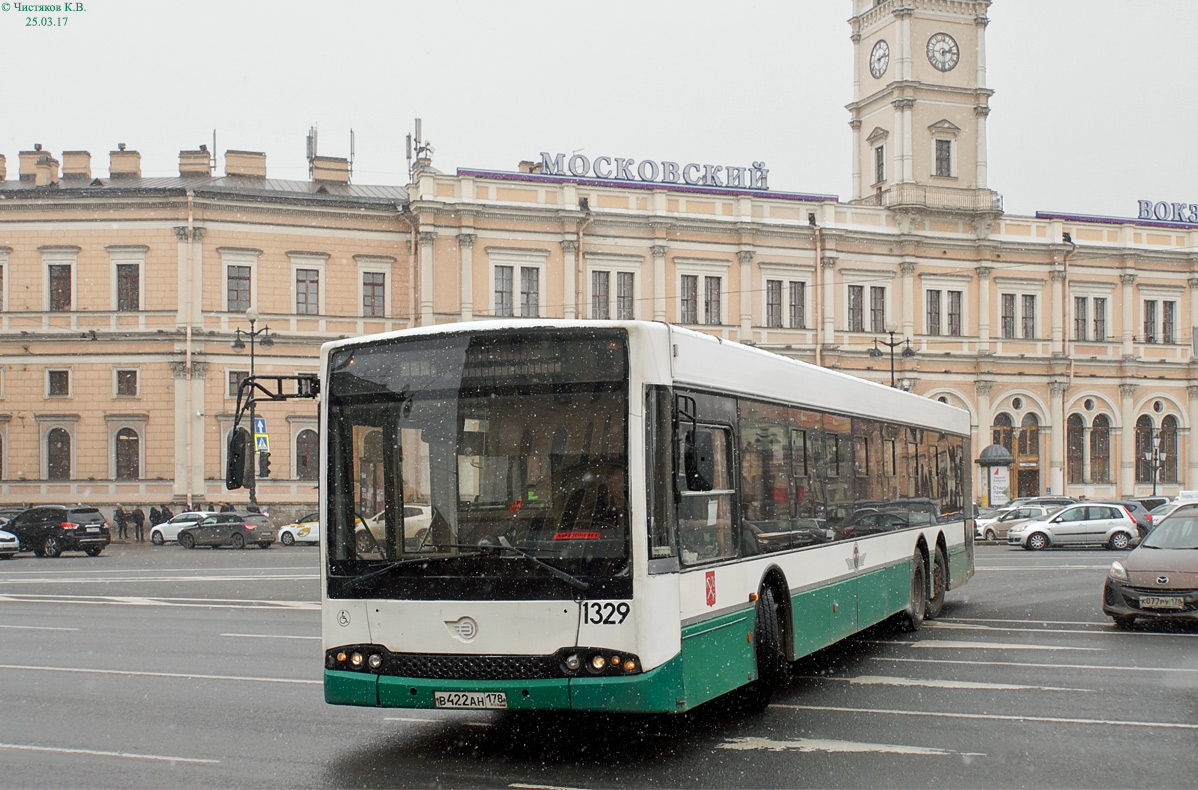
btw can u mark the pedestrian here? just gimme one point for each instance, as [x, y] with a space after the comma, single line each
[138, 517]
[167, 513]
[226, 508]
[122, 522]
[155, 516]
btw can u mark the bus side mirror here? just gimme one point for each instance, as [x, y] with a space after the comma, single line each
[237, 466]
[700, 460]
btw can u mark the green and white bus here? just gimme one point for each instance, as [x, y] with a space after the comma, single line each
[617, 516]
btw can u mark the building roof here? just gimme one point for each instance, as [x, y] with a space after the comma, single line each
[249, 187]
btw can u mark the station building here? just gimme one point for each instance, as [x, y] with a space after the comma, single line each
[1068, 338]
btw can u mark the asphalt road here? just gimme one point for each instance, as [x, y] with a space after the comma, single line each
[161, 667]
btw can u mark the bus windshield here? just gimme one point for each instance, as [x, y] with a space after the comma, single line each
[479, 466]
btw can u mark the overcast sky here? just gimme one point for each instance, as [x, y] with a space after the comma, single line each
[1094, 104]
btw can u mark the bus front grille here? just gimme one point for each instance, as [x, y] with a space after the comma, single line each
[464, 667]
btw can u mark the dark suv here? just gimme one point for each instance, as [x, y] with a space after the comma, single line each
[49, 530]
[228, 529]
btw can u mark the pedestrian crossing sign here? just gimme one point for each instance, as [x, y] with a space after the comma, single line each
[262, 442]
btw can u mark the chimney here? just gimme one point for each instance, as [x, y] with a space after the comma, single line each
[245, 163]
[124, 164]
[529, 167]
[195, 163]
[46, 171]
[28, 162]
[3, 169]
[76, 166]
[330, 169]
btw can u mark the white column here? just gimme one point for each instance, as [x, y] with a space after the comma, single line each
[983, 308]
[907, 317]
[828, 305]
[1058, 320]
[1190, 481]
[569, 288]
[1129, 316]
[466, 250]
[1127, 439]
[659, 281]
[1056, 439]
[426, 277]
[746, 294]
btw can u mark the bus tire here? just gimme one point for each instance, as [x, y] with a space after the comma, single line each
[939, 585]
[912, 618]
[767, 641]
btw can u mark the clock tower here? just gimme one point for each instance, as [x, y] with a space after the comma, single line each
[920, 103]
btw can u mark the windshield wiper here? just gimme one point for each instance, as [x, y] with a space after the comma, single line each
[503, 544]
[355, 579]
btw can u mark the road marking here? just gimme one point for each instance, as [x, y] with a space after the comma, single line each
[1098, 628]
[39, 628]
[522, 786]
[948, 644]
[1159, 725]
[123, 600]
[271, 636]
[1106, 566]
[978, 663]
[185, 675]
[835, 747]
[887, 680]
[99, 753]
[455, 722]
[243, 577]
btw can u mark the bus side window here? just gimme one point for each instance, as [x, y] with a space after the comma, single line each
[705, 517]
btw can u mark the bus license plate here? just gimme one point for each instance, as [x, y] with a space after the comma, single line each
[1161, 602]
[477, 700]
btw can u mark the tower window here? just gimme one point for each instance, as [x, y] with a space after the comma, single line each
[879, 164]
[944, 158]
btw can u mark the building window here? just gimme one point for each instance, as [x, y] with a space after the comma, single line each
[1169, 322]
[798, 305]
[374, 294]
[932, 326]
[1100, 450]
[877, 308]
[954, 313]
[689, 298]
[625, 296]
[235, 379]
[1149, 320]
[1008, 315]
[600, 294]
[944, 158]
[1100, 318]
[238, 290]
[711, 301]
[126, 383]
[1075, 444]
[307, 454]
[58, 454]
[1080, 321]
[856, 308]
[503, 291]
[773, 303]
[1003, 432]
[530, 292]
[128, 452]
[60, 287]
[1028, 319]
[128, 287]
[1144, 449]
[1168, 450]
[879, 164]
[58, 383]
[307, 291]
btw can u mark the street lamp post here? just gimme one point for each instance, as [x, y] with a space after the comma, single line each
[239, 345]
[1156, 458]
[892, 344]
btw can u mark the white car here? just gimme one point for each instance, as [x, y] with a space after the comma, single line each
[1092, 523]
[169, 530]
[416, 521]
[996, 525]
[302, 530]
[9, 545]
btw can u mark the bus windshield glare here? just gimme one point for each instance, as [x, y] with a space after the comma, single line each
[479, 467]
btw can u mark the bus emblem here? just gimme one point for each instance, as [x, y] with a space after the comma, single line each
[464, 628]
[710, 584]
[857, 560]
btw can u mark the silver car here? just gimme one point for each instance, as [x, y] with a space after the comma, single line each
[996, 528]
[1080, 524]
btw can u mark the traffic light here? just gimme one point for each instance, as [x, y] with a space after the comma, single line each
[264, 465]
[240, 464]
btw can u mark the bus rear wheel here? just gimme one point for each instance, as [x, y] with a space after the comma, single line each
[939, 585]
[771, 661]
[912, 618]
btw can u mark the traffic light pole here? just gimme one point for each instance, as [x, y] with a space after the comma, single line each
[267, 341]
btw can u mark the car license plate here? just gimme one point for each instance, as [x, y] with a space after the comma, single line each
[93, 529]
[1161, 602]
[478, 700]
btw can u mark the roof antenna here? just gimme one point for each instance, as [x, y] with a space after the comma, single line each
[351, 153]
[311, 148]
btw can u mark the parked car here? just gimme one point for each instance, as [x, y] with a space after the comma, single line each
[1149, 503]
[49, 530]
[1165, 510]
[1135, 510]
[303, 530]
[7, 514]
[1048, 501]
[9, 545]
[1159, 579]
[169, 530]
[1083, 523]
[996, 528]
[229, 529]
[416, 521]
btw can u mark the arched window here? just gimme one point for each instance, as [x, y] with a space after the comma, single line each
[1075, 449]
[1100, 450]
[58, 454]
[1144, 449]
[128, 454]
[1169, 449]
[1029, 437]
[307, 451]
[1003, 433]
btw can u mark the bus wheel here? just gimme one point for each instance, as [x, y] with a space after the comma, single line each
[771, 663]
[939, 585]
[912, 618]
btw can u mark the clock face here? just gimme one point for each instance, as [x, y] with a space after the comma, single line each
[879, 59]
[943, 51]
